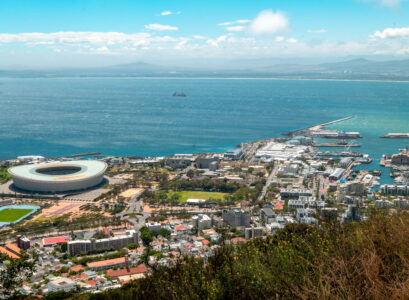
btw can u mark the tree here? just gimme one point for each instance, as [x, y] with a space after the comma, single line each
[132, 246]
[64, 247]
[164, 232]
[190, 173]
[146, 236]
[15, 271]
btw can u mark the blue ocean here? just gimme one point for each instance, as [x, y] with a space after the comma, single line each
[139, 116]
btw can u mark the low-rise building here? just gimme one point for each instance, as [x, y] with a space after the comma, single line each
[84, 246]
[61, 284]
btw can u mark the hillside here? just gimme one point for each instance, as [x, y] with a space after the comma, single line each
[367, 260]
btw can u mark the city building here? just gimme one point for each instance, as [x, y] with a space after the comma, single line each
[204, 162]
[253, 232]
[201, 222]
[267, 215]
[154, 226]
[61, 284]
[235, 154]
[337, 174]
[236, 217]
[180, 160]
[84, 246]
[295, 193]
[22, 242]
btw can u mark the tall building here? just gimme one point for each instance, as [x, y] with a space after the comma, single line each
[236, 217]
[22, 242]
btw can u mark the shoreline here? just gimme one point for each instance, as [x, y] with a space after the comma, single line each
[207, 78]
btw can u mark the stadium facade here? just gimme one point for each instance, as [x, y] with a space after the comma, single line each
[56, 177]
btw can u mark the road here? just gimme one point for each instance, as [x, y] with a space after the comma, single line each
[268, 181]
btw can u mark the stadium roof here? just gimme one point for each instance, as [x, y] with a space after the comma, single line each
[81, 169]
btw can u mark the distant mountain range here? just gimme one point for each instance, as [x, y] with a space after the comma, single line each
[350, 69]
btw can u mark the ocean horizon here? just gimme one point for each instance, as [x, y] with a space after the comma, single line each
[139, 116]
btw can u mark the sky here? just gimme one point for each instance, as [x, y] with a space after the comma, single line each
[89, 33]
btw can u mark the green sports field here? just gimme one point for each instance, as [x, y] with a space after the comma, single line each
[13, 214]
[199, 195]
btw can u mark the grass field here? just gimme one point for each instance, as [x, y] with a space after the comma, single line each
[199, 195]
[13, 214]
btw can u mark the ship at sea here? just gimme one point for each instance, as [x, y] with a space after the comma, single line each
[334, 134]
[175, 94]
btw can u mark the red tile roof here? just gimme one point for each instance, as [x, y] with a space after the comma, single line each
[238, 240]
[107, 262]
[8, 253]
[13, 248]
[55, 240]
[205, 242]
[77, 268]
[91, 282]
[136, 270]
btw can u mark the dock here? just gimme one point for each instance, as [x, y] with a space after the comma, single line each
[315, 127]
[335, 145]
[395, 136]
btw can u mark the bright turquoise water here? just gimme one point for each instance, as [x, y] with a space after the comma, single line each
[124, 116]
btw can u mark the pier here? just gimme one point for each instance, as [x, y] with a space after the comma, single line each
[315, 127]
[76, 155]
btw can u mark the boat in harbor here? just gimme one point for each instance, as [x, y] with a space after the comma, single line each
[175, 94]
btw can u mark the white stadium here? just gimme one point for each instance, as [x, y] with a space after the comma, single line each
[56, 177]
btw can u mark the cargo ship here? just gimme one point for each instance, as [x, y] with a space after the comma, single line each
[342, 135]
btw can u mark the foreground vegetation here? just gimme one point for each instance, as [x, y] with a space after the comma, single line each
[360, 260]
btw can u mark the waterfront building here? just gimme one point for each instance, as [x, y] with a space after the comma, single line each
[205, 162]
[236, 154]
[180, 160]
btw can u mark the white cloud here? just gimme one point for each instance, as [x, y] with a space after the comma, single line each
[291, 40]
[390, 3]
[199, 37]
[216, 42]
[391, 33]
[168, 13]
[280, 39]
[243, 21]
[317, 31]
[269, 22]
[160, 27]
[235, 28]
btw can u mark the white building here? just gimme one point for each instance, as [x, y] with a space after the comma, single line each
[201, 222]
[61, 284]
